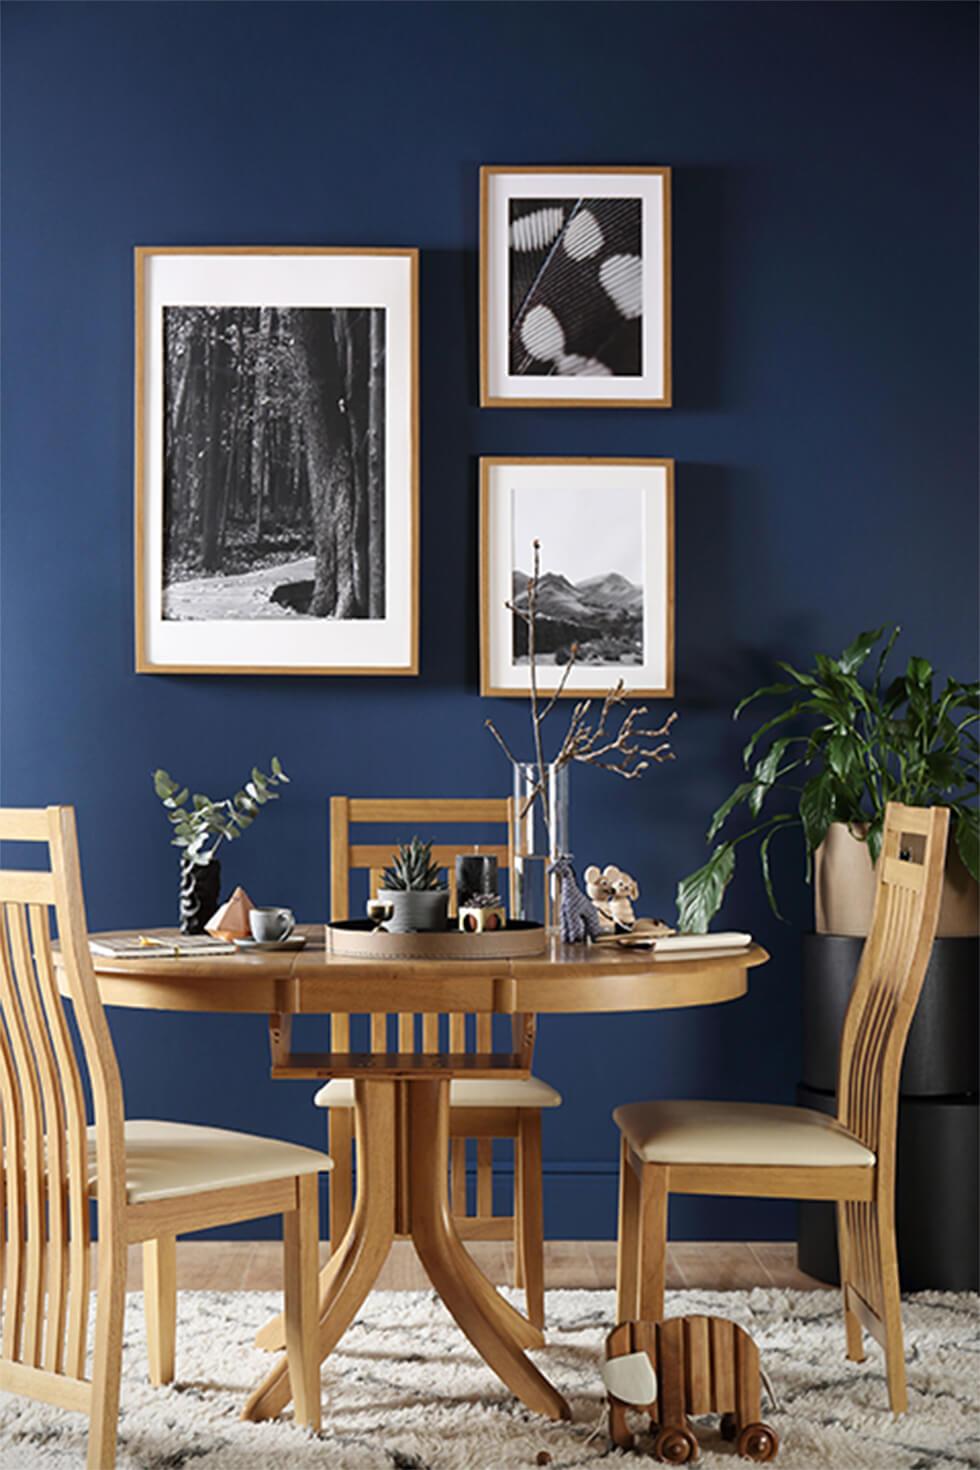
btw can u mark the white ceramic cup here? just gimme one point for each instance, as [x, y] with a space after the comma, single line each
[271, 925]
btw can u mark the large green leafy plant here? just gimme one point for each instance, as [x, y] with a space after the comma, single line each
[840, 748]
[200, 825]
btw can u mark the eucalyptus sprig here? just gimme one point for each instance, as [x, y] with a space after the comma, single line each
[204, 821]
[843, 748]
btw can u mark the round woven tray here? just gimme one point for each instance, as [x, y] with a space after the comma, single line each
[358, 938]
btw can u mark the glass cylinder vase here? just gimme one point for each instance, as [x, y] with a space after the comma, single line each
[540, 835]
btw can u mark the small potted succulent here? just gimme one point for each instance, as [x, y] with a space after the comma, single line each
[200, 827]
[414, 889]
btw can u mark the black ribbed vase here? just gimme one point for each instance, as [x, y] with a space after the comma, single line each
[200, 888]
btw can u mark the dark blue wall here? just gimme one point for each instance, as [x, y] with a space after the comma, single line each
[825, 369]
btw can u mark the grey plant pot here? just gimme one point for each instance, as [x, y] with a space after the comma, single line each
[415, 910]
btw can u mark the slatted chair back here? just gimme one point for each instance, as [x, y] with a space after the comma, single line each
[44, 1207]
[890, 975]
[435, 1032]
[347, 857]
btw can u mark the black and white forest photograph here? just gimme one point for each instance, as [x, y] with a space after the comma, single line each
[576, 287]
[591, 588]
[274, 456]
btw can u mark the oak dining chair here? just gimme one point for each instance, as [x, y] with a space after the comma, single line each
[758, 1150]
[150, 1181]
[480, 1110]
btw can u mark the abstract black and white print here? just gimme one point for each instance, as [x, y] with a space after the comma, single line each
[576, 287]
[590, 590]
[274, 455]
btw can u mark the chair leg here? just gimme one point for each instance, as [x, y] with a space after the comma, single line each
[107, 1358]
[891, 1304]
[301, 1236]
[340, 1144]
[845, 1252]
[457, 1178]
[160, 1306]
[531, 1212]
[518, 1217]
[652, 1241]
[627, 1246]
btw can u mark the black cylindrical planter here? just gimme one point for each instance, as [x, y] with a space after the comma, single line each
[200, 890]
[936, 1198]
[941, 1055]
[936, 1205]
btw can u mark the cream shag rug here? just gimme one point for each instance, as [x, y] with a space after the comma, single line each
[405, 1391]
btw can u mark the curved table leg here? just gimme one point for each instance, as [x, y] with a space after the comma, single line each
[508, 1319]
[461, 1285]
[347, 1278]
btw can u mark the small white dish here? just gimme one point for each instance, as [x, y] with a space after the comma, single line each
[295, 941]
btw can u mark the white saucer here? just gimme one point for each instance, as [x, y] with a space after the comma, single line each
[295, 941]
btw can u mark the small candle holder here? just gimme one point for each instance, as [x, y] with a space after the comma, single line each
[481, 914]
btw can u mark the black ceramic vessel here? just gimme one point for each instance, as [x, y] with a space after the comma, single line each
[200, 888]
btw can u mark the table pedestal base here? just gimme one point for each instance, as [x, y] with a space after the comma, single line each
[402, 1140]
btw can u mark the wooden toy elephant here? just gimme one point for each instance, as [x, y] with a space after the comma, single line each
[703, 1365]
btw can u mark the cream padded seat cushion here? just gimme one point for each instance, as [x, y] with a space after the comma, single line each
[737, 1133]
[167, 1160]
[476, 1092]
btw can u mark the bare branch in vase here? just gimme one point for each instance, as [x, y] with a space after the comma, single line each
[627, 752]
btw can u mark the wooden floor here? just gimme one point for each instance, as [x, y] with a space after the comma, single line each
[721, 1266]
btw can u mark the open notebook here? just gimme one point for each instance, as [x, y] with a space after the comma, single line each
[146, 946]
[722, 939]
[679, 944]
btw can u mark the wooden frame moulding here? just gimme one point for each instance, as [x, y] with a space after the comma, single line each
[144, 663]
[491, 690]
[488, 399]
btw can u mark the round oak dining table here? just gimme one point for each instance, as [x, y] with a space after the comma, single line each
[402, 1098]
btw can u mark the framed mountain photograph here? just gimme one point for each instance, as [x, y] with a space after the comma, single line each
[600, 533]
[276, 460]
[575, 287]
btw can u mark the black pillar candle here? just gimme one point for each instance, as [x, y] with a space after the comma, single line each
[476, 873]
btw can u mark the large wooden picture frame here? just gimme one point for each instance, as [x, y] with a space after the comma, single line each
[276, 460]
[575, 287]
[605, 529]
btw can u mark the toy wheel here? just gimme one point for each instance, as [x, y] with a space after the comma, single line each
[758, 1442]
[728, 1426]
[675, 1446]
